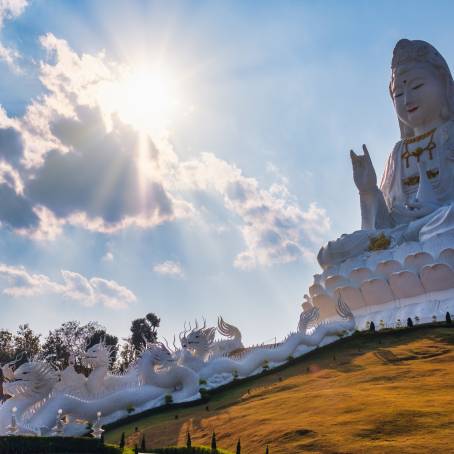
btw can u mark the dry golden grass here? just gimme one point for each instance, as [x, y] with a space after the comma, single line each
[386, 393]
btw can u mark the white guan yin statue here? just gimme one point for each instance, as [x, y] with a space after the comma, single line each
[401, 263]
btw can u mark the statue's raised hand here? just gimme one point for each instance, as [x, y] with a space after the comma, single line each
[363, 171]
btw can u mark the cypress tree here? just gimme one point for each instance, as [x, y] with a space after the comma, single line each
[409, 322]
[267, 449]
[122, 440]
[143, 446]
[213, 442]
[136, 449]
[448, 318]
[238, 447]
[372, 327]
[188, 441]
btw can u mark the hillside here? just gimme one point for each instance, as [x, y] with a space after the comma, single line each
[385, 392]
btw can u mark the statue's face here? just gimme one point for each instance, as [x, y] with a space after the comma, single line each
[419, 96]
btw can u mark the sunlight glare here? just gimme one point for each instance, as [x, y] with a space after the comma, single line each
[146, 98]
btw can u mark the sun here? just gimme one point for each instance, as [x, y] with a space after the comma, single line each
[147, 98]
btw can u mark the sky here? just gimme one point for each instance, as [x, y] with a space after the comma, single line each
[187, 158]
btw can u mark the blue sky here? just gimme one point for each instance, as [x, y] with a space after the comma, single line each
[224, 210]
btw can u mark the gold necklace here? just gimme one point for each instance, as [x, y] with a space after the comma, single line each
[420, 137]
[420, 150]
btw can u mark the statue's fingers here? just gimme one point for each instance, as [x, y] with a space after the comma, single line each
[353, 155]
[366, 152]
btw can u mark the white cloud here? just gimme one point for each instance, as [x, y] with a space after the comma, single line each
[108, 257]
[75, 287]
[75, 163]
[23, 284]
[84, 170]
[111, 294]
[10, 9]
[274, 227]
[10, 57]
[169, 268]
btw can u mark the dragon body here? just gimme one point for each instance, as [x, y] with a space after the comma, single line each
[39, 391]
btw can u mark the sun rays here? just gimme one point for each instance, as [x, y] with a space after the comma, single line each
[146, 97]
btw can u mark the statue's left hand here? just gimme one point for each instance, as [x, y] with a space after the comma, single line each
[363, 171]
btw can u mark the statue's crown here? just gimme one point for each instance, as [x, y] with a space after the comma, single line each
[408, 52]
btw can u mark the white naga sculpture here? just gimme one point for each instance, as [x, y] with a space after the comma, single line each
[401, 264]
[39, 392]
[198, 345]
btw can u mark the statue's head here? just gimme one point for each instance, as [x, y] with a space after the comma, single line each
[421, 86]
[97, 355]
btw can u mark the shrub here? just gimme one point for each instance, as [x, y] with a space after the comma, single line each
[130, 409]
[122, 440]
[290, 358]
[168, 399]
[203, 393]
[202, 382]
[188, 441]
[51, 445]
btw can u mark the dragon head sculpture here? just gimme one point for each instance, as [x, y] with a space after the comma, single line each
[31, 379]
[156, 354]
[200, 339]
[98, 355]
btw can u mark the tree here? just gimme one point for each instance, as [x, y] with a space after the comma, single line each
[70, 337]
[409, 322]
[26, 343]
[6, 352]
[372, 327]
[267, 450]
[213, 442]
[238, 447]
[188, 441]
[122, 441]
[144, 330]
[6, 346]
[127, 355]
[143, 446]
[448, 318]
